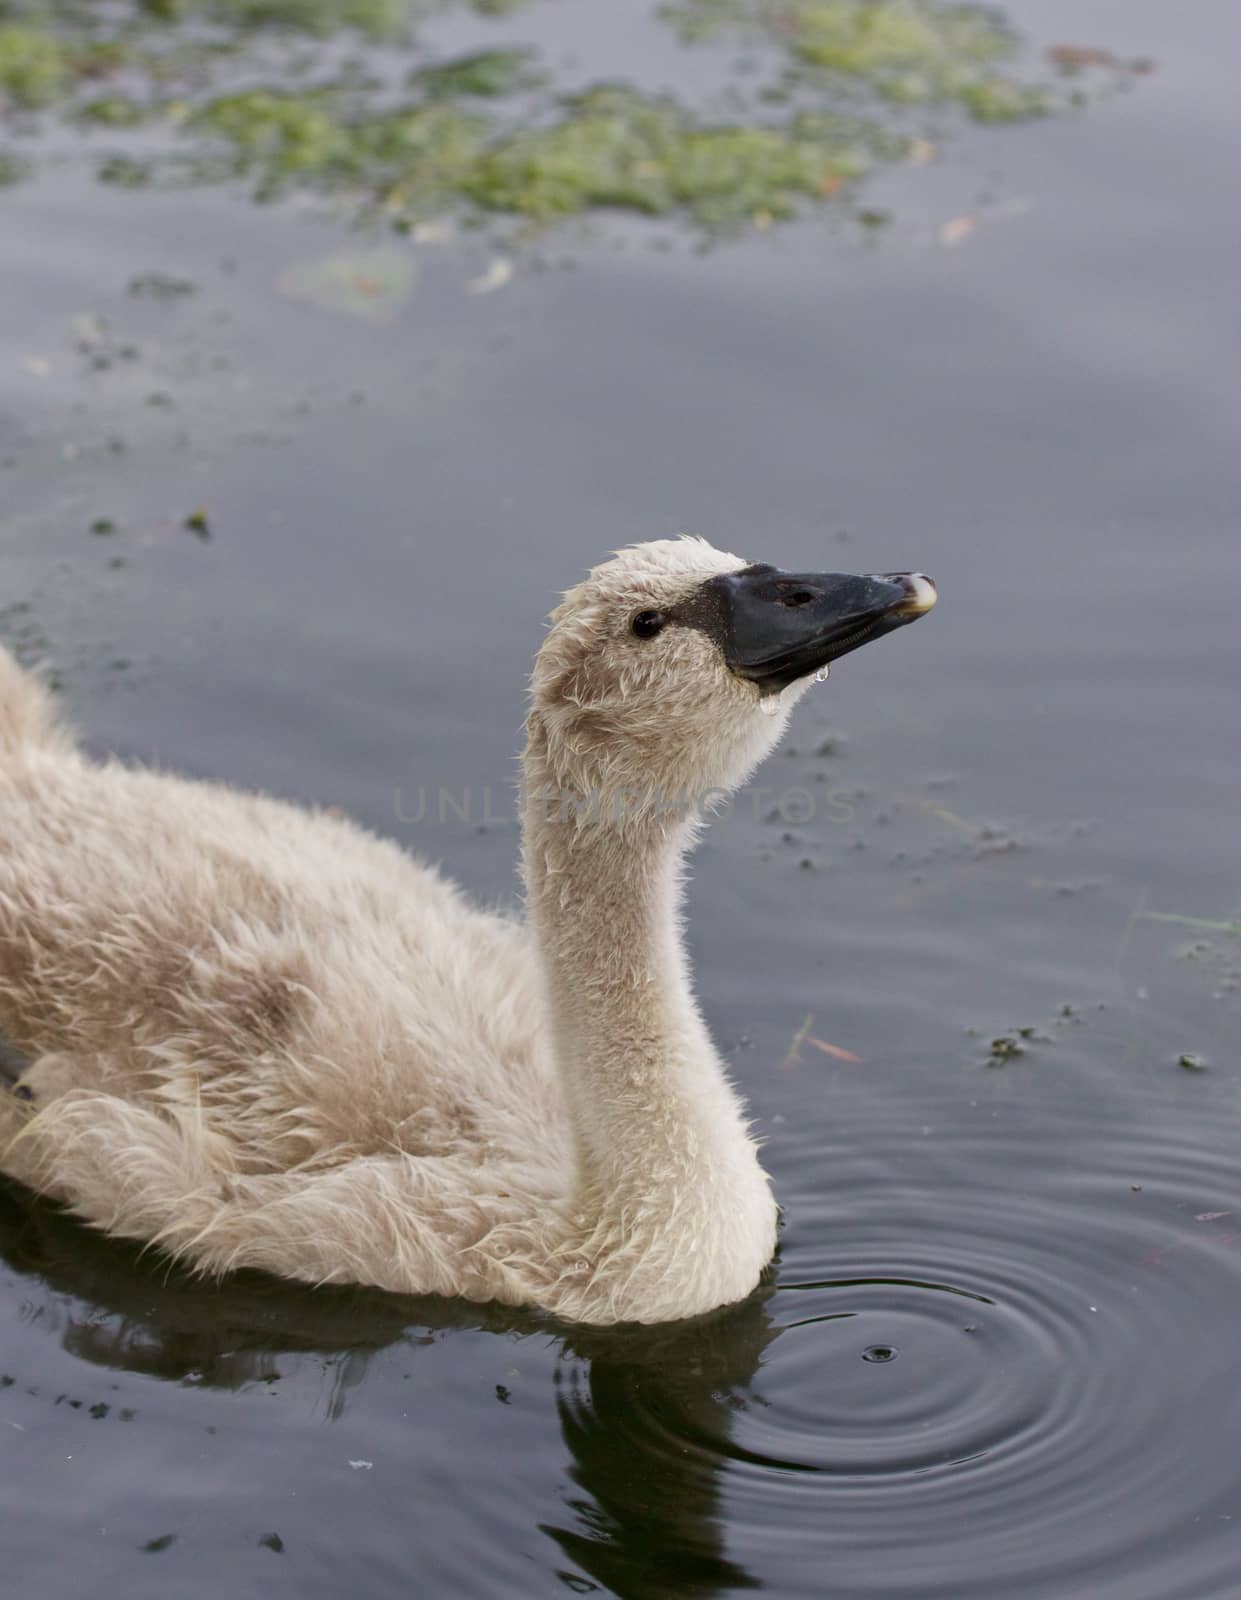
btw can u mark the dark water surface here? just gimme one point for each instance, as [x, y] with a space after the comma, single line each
[1017, 822]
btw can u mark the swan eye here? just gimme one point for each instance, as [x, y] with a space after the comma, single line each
[647, 624]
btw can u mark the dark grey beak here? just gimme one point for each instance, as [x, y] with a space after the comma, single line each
[775, 627]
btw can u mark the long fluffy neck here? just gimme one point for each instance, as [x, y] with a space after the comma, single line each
[669, 1178]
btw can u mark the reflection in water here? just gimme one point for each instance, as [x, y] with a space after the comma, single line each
[644, 1518]
[125, 1309]
[648, 1521]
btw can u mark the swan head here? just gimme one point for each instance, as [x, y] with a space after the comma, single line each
[670, 671]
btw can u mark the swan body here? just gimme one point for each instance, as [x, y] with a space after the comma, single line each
[259, 1036]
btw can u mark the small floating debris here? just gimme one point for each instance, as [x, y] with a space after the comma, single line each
[956, 231]
[804, 1036]
[836, 1051]
[498, 273]
[1073, 58]
[161, 286]
[1192, 1062]
[197, 524]
[438, 231]
[1076, 55]
[1009, 1046]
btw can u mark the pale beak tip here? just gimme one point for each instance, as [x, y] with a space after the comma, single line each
[922, 594]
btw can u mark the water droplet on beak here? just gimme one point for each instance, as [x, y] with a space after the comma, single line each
[824, 673]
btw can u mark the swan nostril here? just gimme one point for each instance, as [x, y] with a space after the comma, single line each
[799, 597]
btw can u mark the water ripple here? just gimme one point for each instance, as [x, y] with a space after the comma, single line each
[1050, 1367]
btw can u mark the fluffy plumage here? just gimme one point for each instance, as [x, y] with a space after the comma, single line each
[259, 1036]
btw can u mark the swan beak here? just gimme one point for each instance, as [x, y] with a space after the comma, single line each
[775, 627]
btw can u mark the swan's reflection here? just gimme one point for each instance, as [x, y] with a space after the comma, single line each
[642, 1411]
[643, 1421]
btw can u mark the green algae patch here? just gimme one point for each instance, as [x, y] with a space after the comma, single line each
[422, 154]
[319, 18]
[377, 19]
[486, 74]
[113, 111]
[1002, 100]
[905, 51]
[609, 148]
[614, 148]
[283, 133]
[261, 90]
[34, 68]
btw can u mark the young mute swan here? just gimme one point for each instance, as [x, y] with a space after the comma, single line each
[260, 1037]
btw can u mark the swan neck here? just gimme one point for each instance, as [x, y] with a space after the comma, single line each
[646, 1088]
[671, 1213]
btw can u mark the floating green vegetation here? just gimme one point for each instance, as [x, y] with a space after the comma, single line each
[610, 147]
[904, 50]
[1001, 100]
[405, 134]
[113, 111]
[487, 74]
[614, 148]
[318, 19]
[907, 48]
[321, 18]
[33, 66]
[421, 156]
